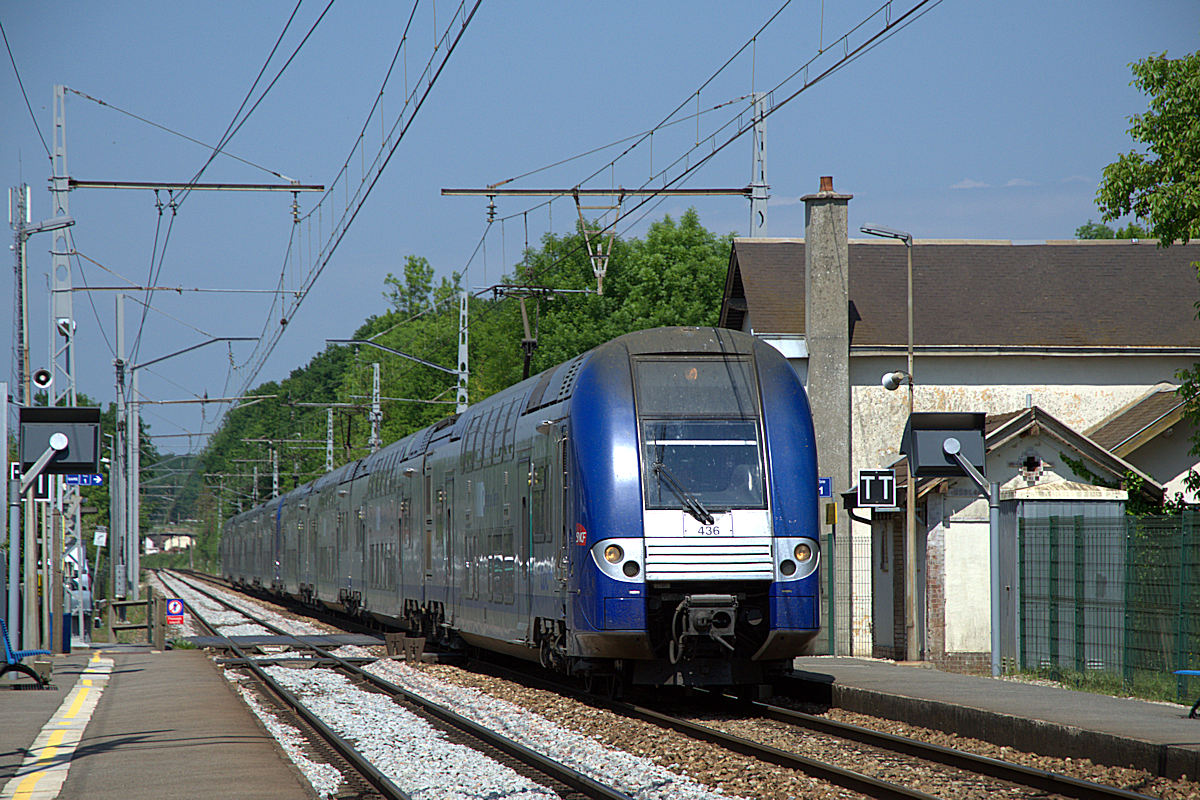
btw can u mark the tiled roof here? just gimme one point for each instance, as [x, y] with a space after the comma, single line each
[1066, 294]
[1132, 426]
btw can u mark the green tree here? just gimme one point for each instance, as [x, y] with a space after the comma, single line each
[416, 293]
[1162, 185]
[1098, 230]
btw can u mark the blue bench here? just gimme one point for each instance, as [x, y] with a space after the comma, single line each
[1192, 713]
[13, 658]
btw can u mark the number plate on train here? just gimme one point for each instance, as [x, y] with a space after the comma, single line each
[722, 526]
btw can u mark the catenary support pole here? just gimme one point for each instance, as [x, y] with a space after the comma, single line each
[12, 524]
[461, 401]
[376, 412]
[329, 439]
[134, 512]
[994, 525]
[117, 496]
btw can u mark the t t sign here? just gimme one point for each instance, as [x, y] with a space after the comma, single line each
[876, 488]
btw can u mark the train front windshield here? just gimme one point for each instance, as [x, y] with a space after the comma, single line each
[700, 433]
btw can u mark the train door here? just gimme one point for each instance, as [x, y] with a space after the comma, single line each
[524, 543]
[360, 560]
[427, 534]
[277, 550]
[560, 516]
[447, 544]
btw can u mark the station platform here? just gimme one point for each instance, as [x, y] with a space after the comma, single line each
[1156, 737]
[124, 722]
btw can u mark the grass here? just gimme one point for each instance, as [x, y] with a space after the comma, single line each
[1141, 684]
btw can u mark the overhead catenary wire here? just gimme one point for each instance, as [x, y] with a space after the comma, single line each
[889, 28]
[174, 132]
[445, 48]
[21, 83]
[231, 130]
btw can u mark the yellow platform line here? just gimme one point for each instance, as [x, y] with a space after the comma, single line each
[47, 761]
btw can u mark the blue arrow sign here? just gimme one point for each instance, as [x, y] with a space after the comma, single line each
[87, 479]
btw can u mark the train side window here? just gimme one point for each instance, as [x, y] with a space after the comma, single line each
[510, 429]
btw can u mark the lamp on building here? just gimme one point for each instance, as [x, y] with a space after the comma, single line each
[892, 381]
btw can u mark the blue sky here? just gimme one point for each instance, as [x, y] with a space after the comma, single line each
[976, 121]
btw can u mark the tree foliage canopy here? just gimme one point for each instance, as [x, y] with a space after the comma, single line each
[1098, 230]
[1161, 186]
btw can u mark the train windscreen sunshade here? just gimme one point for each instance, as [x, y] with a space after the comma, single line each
[719, 387]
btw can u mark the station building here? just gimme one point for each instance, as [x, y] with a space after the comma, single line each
[1071, 348]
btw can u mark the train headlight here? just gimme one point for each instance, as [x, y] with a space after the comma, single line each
[631, 569]
[803, 552]
[788, 567]
[613, 554]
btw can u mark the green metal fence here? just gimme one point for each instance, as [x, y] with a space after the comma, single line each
[1112, 605]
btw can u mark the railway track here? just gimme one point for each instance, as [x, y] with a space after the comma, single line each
[1040, 783]
[559, 778]
[1041, 780]
[979, 775]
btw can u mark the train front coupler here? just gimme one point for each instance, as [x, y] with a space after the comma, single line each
[699, 617]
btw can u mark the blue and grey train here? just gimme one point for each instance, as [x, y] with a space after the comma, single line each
[645, 512]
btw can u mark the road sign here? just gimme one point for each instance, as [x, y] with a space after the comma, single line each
[100, 537]
[86, 479]
[876, 488]
[824, 487]
[174, 611]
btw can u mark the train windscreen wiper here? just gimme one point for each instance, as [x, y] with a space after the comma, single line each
[691, 503]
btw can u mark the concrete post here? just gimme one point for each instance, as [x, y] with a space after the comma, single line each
[827, 334]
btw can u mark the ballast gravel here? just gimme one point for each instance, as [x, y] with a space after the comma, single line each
[416, 756]
[224, 621]
[324, 778]
[638, 777]
[293, 626]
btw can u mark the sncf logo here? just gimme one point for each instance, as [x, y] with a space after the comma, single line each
[580, 534]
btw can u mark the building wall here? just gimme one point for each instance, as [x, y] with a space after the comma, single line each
[1167, 459]
[1078, 390]
[967, 588]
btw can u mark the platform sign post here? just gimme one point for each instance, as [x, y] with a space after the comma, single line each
[174, 611]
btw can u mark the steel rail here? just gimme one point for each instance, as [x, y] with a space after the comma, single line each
[556, 770]
[369, 772]
[847, 779]
[1043, 780]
